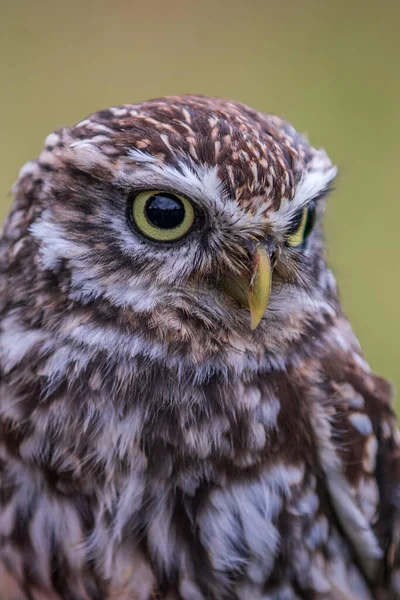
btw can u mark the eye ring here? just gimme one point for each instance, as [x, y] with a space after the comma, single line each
[162, 216]
[301, 227]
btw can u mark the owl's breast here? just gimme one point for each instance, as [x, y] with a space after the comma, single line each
[222, 488]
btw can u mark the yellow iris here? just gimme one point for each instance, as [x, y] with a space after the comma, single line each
[162, 216]
[296, 238]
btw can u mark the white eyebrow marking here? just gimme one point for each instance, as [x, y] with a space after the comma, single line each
[311, 185]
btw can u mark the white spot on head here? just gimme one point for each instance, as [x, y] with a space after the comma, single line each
[87, 156]
[83, 123]
[119, 111]
[52, 139]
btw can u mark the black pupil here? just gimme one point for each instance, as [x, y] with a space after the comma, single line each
[310, 221]
[165, 212]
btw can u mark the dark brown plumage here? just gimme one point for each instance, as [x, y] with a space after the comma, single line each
[152, 444]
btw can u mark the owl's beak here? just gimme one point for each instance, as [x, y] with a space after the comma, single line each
[253, 289]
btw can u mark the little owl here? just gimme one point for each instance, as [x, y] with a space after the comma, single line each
[185, 412]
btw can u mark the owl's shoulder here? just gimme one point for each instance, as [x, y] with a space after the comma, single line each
[360, 457]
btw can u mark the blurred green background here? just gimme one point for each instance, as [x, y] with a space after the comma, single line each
[331, 67]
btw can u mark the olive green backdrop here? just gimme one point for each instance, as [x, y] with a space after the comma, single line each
[330, 67]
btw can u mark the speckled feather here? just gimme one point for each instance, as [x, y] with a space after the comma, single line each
[151, 444]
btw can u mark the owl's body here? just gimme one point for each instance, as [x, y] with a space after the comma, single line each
[152, 443]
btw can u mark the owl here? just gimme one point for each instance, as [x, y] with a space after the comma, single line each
[185, 412]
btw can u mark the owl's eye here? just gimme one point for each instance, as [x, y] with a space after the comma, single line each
[301, 227]
[162, 216]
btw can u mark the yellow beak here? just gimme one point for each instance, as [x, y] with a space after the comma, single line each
[252, 292]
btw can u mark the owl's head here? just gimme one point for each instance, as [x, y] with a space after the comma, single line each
[192, 222]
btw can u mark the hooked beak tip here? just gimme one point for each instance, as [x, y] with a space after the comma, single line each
[253, 293]
[260, 290]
